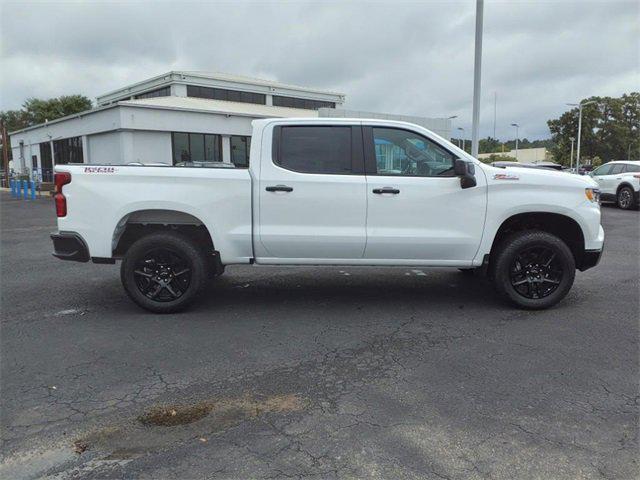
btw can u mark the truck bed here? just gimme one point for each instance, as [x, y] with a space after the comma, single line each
[100, 198]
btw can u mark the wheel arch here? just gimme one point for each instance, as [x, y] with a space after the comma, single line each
[562, 226]
[139, 223]
[622, 185]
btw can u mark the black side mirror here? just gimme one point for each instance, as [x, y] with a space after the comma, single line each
[466, 171]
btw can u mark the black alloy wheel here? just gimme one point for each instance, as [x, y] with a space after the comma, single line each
[163, 272]
[163, 275]
[532, 269]
[536, 272]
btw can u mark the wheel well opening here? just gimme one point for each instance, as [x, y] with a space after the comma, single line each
[559, 225]
[622, 185]
[144, 222]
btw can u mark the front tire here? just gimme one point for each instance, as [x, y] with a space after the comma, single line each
[533, 270]
[163, 272]
[624, 198]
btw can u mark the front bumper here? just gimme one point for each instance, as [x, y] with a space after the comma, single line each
[69, 246]
[590, 259]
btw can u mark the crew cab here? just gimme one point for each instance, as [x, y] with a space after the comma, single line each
[619, 182]
[331, 192]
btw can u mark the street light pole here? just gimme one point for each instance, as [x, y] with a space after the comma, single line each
[579, 105]
[517, 126]
[475, 127]
[462, 130]
[571, 157]
[451, 118]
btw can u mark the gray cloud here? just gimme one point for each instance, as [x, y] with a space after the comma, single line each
[400, 57]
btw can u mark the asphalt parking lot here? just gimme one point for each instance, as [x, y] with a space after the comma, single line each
[315, 372]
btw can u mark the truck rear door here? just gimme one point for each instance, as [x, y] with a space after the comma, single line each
[312, 194]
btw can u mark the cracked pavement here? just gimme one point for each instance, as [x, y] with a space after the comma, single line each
[315, 372]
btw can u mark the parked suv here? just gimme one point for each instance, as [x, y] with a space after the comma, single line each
[619, 182]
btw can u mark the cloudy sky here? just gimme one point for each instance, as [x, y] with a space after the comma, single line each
[389, 56]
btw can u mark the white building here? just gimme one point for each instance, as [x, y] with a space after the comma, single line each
[524, 155]
[177, 117]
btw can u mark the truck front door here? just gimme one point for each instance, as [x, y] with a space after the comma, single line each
[312, 194]
[417, 209]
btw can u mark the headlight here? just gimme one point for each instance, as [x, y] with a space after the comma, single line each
[593, 194]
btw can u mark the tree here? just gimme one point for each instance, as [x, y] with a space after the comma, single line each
[498, 157]
[35, 111]
[14, 120]
[610, 129]
[39, 111]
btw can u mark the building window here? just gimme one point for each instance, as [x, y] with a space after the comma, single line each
[68, 150]
[293, 102]
[160, 92]
[196, 148]
[46, 163]
[223, 94]
[240, 151]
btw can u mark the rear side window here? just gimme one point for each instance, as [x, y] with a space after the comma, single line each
[617, 168]
[315, 149]
[632, 168]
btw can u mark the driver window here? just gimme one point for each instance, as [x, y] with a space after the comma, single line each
[603, 170]
[401, 152]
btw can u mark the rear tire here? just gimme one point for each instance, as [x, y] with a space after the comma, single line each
[533, 270]
[164, 272]
[625, 199]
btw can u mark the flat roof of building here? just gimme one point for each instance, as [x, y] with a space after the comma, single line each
[222, 80]
[194, 105]
[219, 106]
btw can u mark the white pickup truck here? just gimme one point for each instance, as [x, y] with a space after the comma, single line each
[331, 192]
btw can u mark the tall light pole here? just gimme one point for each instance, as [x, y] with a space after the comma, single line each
[451, 118]
[495, 112]
[571, 157]
[517, 126]
[579, 105]
[475, 127]
[462, 130]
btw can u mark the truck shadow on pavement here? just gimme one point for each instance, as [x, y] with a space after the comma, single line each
[352, 289]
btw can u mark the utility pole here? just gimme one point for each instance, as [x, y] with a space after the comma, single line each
[495, 111]
[451, 118]
[517, 126]
[5, 153]
[475, 128]
[579, 105]
[571, 157]
[462, 130]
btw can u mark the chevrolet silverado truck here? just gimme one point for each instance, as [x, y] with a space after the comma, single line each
[330, 192]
